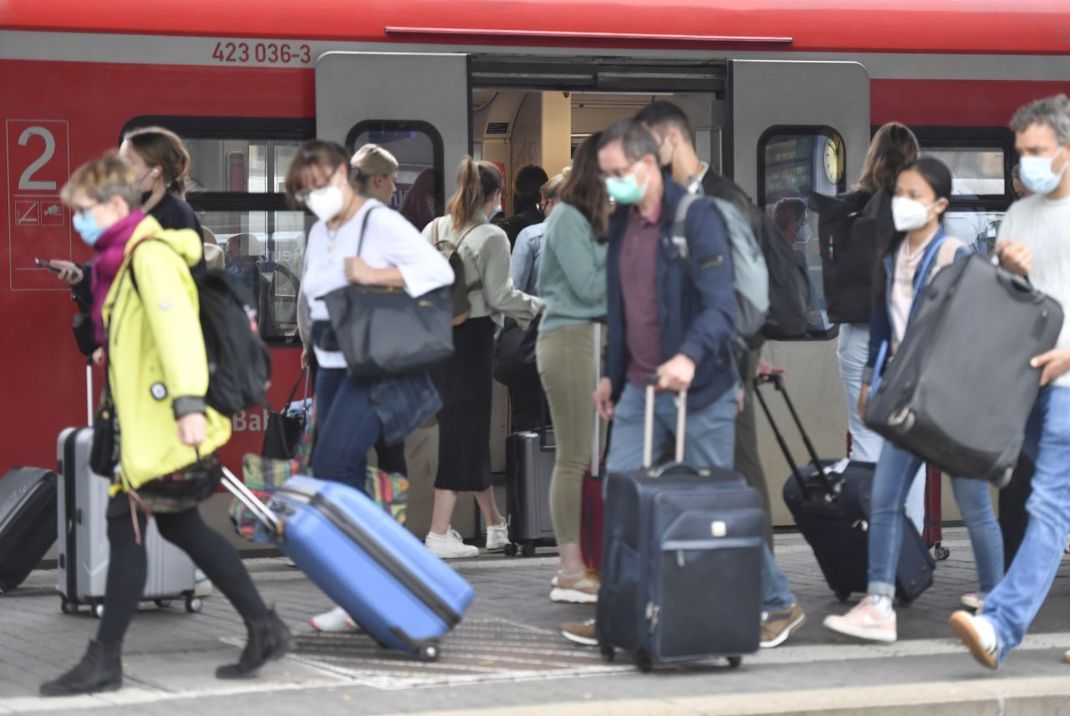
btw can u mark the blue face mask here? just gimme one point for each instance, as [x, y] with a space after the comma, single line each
[1037, 175]
[87, 227]
[625, 190]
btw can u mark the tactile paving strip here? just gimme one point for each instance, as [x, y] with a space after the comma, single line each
[478, 650]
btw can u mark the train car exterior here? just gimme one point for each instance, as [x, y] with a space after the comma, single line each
[790, 97]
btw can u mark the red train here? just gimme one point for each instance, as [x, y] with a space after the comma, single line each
[783, 97]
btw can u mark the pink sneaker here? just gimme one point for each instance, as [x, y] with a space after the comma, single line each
[865, 621]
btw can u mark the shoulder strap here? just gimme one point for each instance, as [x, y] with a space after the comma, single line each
[364, 228]
[679, 224]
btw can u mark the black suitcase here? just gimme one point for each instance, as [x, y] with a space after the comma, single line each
[830, 503]
[959, 390]
[681, 562]
[27, 522]
[529, 459]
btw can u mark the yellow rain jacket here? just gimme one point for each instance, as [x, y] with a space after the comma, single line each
[156, 354]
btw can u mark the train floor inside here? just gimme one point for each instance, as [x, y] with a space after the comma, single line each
[507, 656]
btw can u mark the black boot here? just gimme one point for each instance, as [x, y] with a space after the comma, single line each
[269, 639]
[100, 669]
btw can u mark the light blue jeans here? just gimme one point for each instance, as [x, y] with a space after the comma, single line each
[1013, 604]
[853, 353]
[709, 441]
[895, 471]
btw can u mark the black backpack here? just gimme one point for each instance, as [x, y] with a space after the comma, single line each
[851, 228]
[239, 363]
[789, 285]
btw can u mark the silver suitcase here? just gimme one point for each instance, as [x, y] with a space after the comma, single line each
[83, 539]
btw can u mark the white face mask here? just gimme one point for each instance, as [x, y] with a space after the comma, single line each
[909, 214]
[325, 203]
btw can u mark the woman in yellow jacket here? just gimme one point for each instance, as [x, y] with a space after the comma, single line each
[157, 377]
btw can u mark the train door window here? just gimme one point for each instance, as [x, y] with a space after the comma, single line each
[418, 148]
[236, 178]
[792, 163]
[979, 188]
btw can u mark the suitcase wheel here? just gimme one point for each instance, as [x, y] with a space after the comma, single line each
[940, 552]
[510, 550]
[608, 652]
[528, 550]
[67, 607]
[735, 661]
[643, 662]
[98, 610]
[428, 652]
[194, 605]
[843, 596]
[162, 603]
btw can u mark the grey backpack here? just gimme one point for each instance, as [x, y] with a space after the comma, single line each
[749, 271]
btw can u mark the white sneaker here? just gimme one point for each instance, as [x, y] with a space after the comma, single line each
[497, 537]
[978, 634]
[865, 621]
[973, 600]
[333, 621]
[202, 586]
[449, 545]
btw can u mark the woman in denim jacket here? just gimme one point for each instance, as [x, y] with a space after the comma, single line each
[918, 249]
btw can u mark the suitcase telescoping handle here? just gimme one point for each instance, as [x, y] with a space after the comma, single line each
[648, 422]
[596, 442]
[89, 391]
[832, 487]
[245, 496]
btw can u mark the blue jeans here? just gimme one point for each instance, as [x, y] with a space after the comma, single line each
[709, 442]
[896, 471]
[853, 353]
[1013, 604]
[346, 428]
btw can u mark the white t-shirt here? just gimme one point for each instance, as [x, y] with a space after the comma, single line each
[907, 263]
[1043, 225]
[391, 241]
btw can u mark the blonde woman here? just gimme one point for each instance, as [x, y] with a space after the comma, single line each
[465, 381]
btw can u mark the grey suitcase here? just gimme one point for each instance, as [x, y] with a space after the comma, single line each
[82, 570]
[529, 458]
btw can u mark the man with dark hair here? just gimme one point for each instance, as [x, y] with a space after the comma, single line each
[676, 152]
[673, 317]
[525, 202]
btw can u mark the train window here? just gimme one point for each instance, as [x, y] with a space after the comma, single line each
[418, 148]
[792, 163]
[237, 170]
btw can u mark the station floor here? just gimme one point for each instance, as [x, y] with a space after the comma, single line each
[507, 657]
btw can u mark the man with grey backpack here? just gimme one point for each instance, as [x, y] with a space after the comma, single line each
[672, 312]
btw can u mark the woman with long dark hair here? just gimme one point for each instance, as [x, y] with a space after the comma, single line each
[572, 282]
[915, 252]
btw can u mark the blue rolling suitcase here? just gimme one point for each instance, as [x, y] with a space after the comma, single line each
[391, 584]
[681, 562]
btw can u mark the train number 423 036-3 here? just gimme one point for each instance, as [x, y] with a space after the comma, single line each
[270, 53]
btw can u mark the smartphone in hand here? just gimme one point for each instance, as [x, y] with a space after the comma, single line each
[47, 265]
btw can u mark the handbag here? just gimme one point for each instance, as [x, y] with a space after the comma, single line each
[104, 453]
[285, 427]
[385, 332]
[514, 351]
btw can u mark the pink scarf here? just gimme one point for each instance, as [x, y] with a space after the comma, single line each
[111, 250]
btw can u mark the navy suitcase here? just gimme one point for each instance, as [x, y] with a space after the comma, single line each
[405, 597]
[681, 562]
[830, 502]
[27, 522]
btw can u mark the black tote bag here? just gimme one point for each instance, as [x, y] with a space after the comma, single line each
[284, 430]
[385, 332]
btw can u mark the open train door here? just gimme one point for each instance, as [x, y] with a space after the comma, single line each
[413, 104]
[796, 127]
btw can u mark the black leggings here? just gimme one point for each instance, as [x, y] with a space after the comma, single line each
[209, 550]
